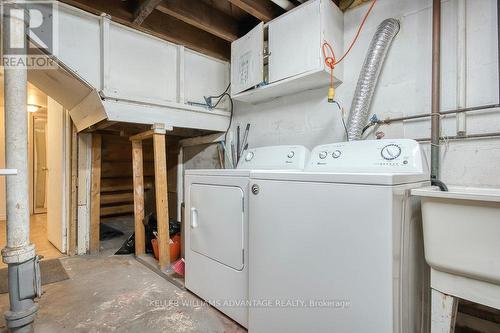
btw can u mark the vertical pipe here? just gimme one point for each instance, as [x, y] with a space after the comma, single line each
[436, 88]
[16, 142]
[462, 67]
[498, 46]
[19, 253]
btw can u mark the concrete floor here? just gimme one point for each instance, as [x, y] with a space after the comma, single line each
[108, 293]
[117, 293]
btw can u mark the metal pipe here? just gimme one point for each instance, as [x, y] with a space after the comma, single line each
[460, 137]
[461, 121]
[368, 77]
[498, 46]
[285, 4]
[436, 88]
[388, 121]
[19, 253]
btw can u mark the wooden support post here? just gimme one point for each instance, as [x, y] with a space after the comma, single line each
[137, 163]
[95, 190]
[73, 231]
[444, 312]
[160, 159]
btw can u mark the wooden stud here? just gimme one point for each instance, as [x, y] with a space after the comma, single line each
[264, 10]
[72, 229]
[95, 194]
[202, 16]
[161, 191]
[144, 10]
[137, 162]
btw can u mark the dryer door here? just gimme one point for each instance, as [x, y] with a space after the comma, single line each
[216, 223]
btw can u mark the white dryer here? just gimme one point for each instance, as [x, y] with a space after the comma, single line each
[338, 247]
[216, 232]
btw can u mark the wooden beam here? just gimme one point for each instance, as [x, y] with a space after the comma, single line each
[144, 10]
[159, 25]
[117, 210]
[157, 129]
[137, 163]
[185, 34]
[349, 4]
[118, 198]
[202, 140]
[264, 10]
[95, 194]
[202, 16]
[161, 191]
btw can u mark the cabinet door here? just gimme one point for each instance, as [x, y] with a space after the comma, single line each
[247, 61]
[294, 42]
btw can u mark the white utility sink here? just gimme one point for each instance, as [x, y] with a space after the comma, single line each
[462, 241]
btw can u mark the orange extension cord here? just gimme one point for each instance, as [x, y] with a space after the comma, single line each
[329, 54]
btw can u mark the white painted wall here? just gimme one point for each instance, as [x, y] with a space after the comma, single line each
[404, 89]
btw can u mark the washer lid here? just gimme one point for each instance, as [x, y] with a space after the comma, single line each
[343, 178]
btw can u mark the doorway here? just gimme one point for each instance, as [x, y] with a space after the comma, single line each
[39, 157]
[46, 175]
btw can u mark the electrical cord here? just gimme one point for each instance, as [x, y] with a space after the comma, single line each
[220, 97]
[342, 117]
[329, 54]
[209, 98]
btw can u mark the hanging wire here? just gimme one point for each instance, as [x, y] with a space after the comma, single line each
[342, 115]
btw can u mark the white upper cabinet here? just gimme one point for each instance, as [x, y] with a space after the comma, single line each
[293, 42]
[247, 62]
[287, 53]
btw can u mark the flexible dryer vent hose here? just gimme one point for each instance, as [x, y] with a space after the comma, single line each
[368, 77]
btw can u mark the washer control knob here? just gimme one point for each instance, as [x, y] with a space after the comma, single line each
[391, 152]
[249, 156]
[323, 155]
[291, 154]
[336, 154]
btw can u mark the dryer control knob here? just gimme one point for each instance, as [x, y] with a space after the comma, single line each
[323, 155]
[336, 154]
[291, 154]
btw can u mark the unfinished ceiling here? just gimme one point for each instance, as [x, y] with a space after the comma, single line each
[206, 26]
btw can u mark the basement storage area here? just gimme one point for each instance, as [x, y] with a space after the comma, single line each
[250, 166]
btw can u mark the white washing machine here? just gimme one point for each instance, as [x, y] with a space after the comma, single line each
[216, 232]
[338, 247]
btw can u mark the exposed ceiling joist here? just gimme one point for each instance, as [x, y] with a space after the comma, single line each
[202, 16]
[264, 10]
[144, 9]
[182, 33]
[349, 4]
[159, 25]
